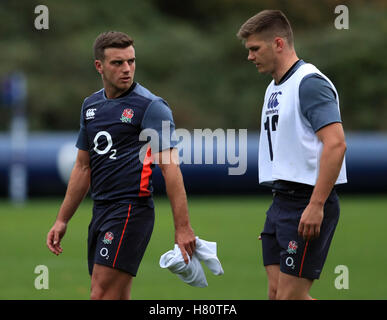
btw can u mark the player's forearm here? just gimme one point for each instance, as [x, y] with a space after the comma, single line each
[77, 189]
[177, 197]
[330, 164]
[168, 163]
[184, 235]
[176, 193]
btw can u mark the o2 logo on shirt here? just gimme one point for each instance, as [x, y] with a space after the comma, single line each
[108, 148]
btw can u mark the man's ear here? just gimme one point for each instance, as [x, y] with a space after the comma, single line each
[98, 66]
[278, 44]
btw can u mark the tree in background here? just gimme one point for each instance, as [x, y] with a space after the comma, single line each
[190, 55]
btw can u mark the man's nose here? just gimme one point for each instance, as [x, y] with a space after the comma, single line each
[125, 66]
[250, 56]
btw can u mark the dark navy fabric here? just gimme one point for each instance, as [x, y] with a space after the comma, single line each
[281, 243]
[110, 130]
[155, 112]
[119, 234]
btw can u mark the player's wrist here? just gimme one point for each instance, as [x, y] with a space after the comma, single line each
[317, 203]
[61, 221]
[183, 227]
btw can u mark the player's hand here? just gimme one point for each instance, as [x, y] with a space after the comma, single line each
[54, 237]
[185, 239]
[310, 222]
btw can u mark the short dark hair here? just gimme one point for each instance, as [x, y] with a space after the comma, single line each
[272, 22]
[110, 39]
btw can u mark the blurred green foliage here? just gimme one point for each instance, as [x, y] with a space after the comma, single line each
[187, 52]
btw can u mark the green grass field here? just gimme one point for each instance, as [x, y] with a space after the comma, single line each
[233, 222]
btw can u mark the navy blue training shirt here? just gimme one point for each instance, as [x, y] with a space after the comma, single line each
[121, 165]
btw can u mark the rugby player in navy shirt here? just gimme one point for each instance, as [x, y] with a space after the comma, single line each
[116, 164]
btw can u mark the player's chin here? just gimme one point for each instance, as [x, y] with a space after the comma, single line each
[261, 68]
[124, 84]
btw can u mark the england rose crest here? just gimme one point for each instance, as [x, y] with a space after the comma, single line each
[127, 115]
[292, 247]
[108, 238]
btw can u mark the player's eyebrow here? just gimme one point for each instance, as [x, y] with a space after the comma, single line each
[122, 60]
[253, 48]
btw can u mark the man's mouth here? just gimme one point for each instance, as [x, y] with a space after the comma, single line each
[125, 79]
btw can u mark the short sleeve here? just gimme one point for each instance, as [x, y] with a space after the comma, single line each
[82, 141]
[158, 117]
[318, 101]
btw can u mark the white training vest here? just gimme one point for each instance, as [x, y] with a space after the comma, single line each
[288, 147]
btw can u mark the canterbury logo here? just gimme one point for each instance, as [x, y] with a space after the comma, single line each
[90, 114]
[273, 101]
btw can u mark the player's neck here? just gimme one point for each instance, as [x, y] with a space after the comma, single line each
[284, 67]
[112, 92]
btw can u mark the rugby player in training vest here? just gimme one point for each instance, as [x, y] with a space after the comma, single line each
[301, 157]
[116, 164]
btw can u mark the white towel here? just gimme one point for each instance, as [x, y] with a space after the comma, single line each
[192, 273]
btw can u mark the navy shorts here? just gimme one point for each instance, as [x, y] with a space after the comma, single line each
[281, 243]
[119, 234]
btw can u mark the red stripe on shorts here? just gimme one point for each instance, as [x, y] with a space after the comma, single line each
[303, 257]
[122, 235]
